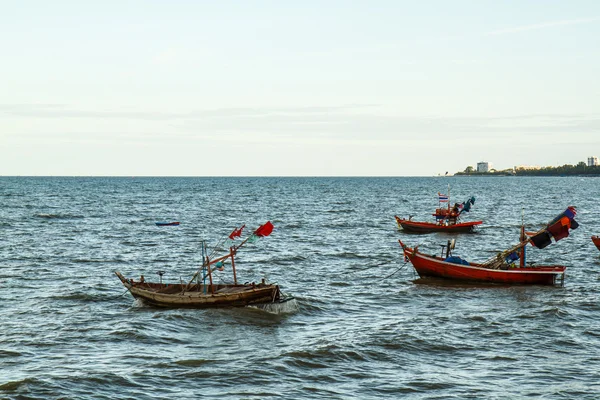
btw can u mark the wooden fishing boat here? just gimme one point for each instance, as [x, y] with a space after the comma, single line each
[428, 227]
[447, 219]
[198, 293]
[596, 240]
[507, 267]
[161, 223]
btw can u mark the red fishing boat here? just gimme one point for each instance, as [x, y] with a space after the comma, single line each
[447, 219]
[440, 226]
[596, 240]
[450, 268]
[507, 267]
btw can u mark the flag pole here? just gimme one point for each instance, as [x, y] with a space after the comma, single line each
[233, 266]
[448, 198]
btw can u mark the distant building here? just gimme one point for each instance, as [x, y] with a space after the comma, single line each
[592, 161]
[483, 166]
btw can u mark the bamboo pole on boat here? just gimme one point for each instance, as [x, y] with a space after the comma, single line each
[522, 259]
[212, 288]
[499, 259]
[197, 273]
[209, 262]
[448, 198]
[231, 252]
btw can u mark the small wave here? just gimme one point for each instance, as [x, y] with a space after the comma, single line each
[477, 318]
[338, 226]
[288, 307]
[288, 260]
[349, 256]
[79, 296]
[340, 284]
[347, 211]
[47, 216]
[301, 363]
[311, 305]
[322, 357]
[129, 334]
[139, 303]
[503, 358]
[9, 353]
[90, 261]
[417, 345]
[591, 333]
[555, 311]
[59, 216]
[14, 385]
[193, 363]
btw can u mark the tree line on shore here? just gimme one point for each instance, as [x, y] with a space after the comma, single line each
[580, 169]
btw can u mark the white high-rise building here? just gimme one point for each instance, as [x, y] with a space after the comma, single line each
[484, 166]
[592, 161]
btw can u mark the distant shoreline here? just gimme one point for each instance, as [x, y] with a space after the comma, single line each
[462, 174]
[580, 169]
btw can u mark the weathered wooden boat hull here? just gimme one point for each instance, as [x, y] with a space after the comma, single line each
[178, 295]
[167, 223]
[596, 240]
[430, 266]
[429, 227]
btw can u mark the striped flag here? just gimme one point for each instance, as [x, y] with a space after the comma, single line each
[442, 198]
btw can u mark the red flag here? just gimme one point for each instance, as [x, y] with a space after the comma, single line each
[236, 232]
[264, 230]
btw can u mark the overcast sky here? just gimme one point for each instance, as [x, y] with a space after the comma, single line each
[298, 88]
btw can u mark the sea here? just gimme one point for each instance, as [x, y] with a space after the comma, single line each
[362, 325]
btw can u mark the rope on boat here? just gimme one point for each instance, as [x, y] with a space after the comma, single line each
[376, 265]
[122, 294]
[396, 271]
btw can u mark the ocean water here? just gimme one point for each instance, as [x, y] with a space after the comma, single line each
[361, 325]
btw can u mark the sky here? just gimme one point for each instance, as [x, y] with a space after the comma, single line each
[287, 88]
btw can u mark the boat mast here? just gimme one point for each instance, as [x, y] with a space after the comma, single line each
[212, 288]
[231, 251]
[522, 239]
[203, 244]
[207, 262]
